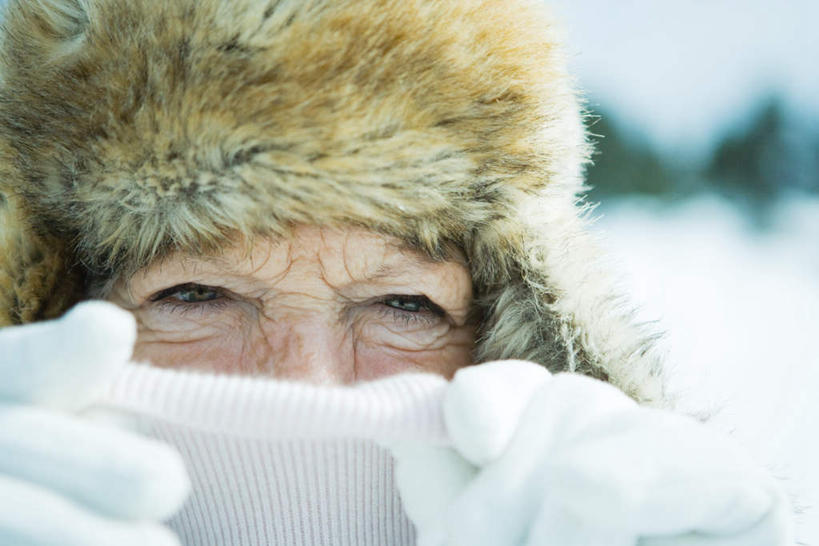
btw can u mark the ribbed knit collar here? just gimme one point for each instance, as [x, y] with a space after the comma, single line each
[282, 463]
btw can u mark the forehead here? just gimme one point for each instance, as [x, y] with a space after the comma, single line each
[337, 256]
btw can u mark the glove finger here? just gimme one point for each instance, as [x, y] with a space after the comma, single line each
[32, 516]
[556, 525]
[774, 529]
[590, 448]
[501, 504]
[483, 405]
[698, 539]
[65, 362]
[661, 474]
[112, 471]
[428, 479]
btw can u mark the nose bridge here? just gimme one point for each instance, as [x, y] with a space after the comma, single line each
[312, 348]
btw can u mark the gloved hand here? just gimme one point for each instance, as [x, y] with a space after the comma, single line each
[69, 480]
[566, 460]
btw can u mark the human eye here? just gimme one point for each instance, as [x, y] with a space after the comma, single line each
[412, 308]
[189, 295]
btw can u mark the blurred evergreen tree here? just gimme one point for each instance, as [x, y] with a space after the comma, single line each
[752, 164]
[771, 157]
[626, 164]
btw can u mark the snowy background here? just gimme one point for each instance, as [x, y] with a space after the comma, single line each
[681, 71]
[738, 297]
[741, 312]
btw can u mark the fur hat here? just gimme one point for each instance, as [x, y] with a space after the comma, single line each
[131, 128]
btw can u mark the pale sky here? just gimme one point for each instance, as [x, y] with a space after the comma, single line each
[682, 70]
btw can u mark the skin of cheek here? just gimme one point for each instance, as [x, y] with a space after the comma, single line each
[386, 345]
[381, 351]
[198, 342]
[302, 345]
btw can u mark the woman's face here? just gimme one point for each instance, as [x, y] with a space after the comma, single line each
[323, 306]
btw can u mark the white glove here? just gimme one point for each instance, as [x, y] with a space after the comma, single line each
[66, 480]
[566, 460]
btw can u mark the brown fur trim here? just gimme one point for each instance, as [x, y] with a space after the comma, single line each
[139, 127]
[35, 282]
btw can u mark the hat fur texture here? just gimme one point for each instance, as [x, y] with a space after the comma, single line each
[133, 128]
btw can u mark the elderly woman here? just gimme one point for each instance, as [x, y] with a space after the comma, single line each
[331, 192]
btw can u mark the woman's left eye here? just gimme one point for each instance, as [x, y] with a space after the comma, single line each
[189, 293]
[412, 304]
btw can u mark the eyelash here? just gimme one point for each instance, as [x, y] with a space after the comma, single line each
[191, 308]
[164, 300]
[428, 313]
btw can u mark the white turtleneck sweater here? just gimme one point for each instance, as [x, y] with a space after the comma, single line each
[284, 463]
[274, 463]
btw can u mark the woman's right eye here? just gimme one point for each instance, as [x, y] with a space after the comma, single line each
[189, 293]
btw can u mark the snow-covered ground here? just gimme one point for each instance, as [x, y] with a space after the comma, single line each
[741, 311]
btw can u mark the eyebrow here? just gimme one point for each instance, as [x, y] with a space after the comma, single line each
[412, 257]
[387, 271]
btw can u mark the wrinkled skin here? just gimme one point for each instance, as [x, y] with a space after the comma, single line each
[324, 306]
